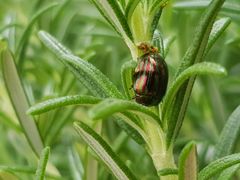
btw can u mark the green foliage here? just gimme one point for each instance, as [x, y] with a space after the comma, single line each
[104, 151]
[92, 87]
[25, 37]
[218, 28]
[193, 55]
[188, 162]
[131, 6]
[112, 12]
[227, 140]
[87, 74]
[60, 102]
[229, 135]
[204, 68]
[97, 83]
[20, 101]
[110, 106]
[126, 75]
[75, 164]
[40, 173]
[231, 7]
[218, 166]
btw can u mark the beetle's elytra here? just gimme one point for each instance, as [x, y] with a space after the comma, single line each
[150, 79]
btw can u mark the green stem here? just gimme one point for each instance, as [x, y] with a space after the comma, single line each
[162, 157]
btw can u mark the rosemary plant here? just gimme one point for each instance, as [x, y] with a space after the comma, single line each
[154, 128]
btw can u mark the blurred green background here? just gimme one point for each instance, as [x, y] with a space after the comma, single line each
[79, 26]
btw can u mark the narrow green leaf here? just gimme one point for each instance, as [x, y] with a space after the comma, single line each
[188, 162]
[75, 164]
[42, 164]
[228, 173]
[157, 4]
[111, 106]
[97, 83]
[25, 170]
[122, 3]
[227, 140]
[26, 34]
[230, 7]
[54, 103]
[126, 120]
[132, 4]
[195, 51]
[126, 76]
[105, 15]
[191, 4]
[18, 169]
[132, 126]
[229, 135]
[104, 152]
[91, 168]
[158, 42]
[218, 166]
[204, 68]
[113, 14]
[193, 55]
[155, 21]
[121, 18]
[217, 30]
[20, 102]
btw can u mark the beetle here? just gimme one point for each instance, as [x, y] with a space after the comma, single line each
[150, 79]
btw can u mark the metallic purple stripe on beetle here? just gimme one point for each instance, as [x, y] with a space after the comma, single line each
[150, 77]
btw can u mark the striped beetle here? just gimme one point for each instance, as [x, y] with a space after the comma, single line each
[150, 78]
